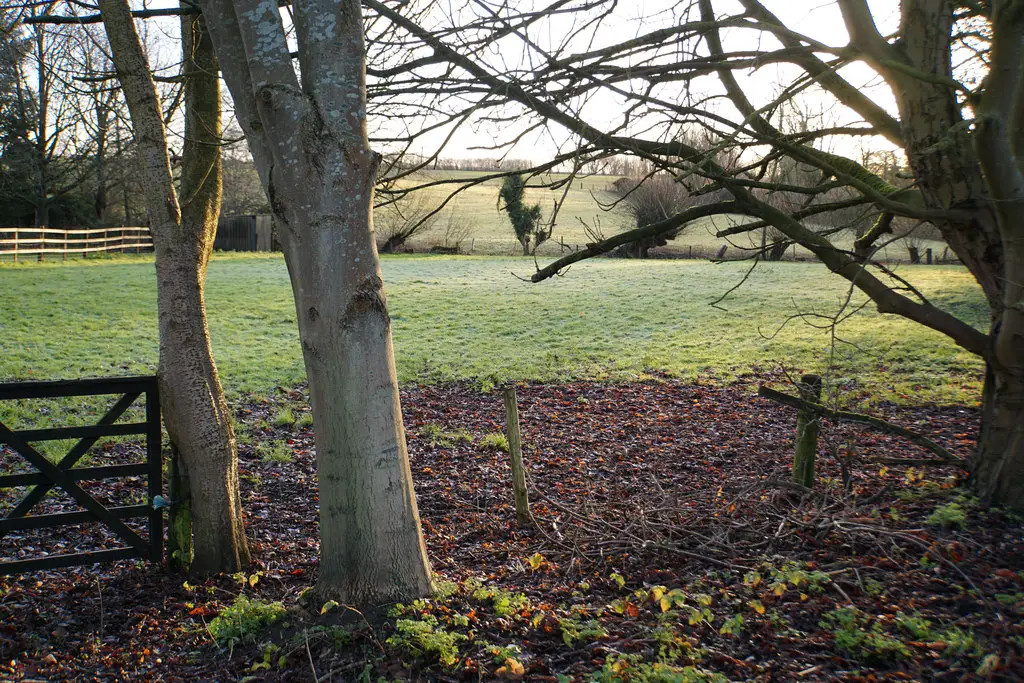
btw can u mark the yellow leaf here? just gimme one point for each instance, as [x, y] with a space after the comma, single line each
[756, 606]
[535, 560]
[328, 606]
[253, 579]
[657, 592]
[513, 669]
[665, 604]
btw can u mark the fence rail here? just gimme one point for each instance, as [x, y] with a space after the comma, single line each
[38, 242]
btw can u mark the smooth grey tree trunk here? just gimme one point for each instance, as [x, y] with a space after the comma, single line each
[311, 149]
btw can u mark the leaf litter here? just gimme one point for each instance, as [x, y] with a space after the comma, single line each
[669, 545]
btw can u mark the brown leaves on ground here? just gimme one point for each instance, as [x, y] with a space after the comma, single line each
[668, 536]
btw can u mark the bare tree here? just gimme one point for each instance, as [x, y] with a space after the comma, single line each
[308, 138]
[404, 216]
[647, 201]
[957, 122]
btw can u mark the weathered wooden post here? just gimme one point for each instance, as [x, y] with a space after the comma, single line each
[928, 256]
[15, 245]
[515, 450]
[808, 424]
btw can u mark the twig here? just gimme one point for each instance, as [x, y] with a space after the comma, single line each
[309, 654]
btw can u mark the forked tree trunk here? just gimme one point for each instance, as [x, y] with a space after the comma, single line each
[311, 149]
[195, 411]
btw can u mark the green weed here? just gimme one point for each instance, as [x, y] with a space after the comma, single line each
[244, 621]
[424, 637]
[274, 451]
[284, 417]
[305, 421]
[436, 436]
[575, 630]
[949, 516]
[494, 440]
[632, 668]
[863, 637]
[502, 602]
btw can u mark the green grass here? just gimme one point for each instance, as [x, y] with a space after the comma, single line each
[582, 208]
[470, 318]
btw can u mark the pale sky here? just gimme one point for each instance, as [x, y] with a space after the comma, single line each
[819, 19]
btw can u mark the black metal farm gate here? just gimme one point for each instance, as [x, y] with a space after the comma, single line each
[64, 475]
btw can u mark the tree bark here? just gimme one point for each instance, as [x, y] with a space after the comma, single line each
[195, 411]
[954, 170]
[311, 149]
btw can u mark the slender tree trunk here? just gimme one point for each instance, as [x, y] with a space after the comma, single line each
[42, 203]
[102, 128]
[195, 412]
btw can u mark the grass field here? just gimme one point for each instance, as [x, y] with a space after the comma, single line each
[492, 233]
[469, 318]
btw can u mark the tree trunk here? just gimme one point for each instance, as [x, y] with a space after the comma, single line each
[102, 127]
[524, 242]
[195, 412]
[777, 250]
[956, 168]
[371, 548]
[915, 255]
[997, 468]
[310, 145]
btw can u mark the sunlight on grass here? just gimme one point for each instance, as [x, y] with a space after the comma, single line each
[470, 318]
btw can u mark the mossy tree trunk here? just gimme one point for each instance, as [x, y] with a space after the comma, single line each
[196, 413]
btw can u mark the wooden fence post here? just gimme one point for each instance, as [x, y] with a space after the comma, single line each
[928, 256]
[808, 424]
[515, 449]
[15, 245]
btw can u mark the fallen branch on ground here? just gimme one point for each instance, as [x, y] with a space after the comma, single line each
[876, 422]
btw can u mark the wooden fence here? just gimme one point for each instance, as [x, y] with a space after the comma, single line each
[15, 242]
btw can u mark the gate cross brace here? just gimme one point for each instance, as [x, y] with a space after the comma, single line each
[61, 479]
[72, 458]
